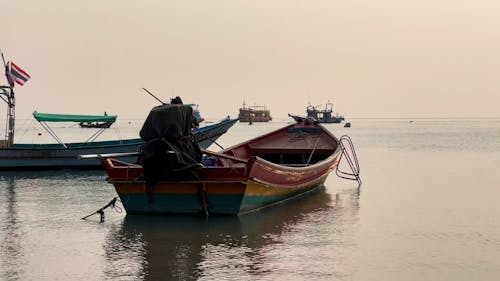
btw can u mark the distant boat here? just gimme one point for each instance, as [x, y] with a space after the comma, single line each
[347, 125]
[320, 113]
[254, 114]
[105, 121]
[18, 156]
[95, 124]
[84, 121]
[269, 169]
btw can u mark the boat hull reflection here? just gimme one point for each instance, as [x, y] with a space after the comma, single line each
[183, 247]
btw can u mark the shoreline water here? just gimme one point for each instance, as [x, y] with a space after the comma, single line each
[427, 209]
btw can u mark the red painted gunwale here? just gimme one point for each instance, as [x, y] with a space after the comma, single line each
[292, 138]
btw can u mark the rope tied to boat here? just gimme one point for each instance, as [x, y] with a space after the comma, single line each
[111, 204]
[210, 138]
[349, 154]
[312, 151]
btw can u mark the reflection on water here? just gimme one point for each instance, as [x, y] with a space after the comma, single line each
[10, 244]
[41, 236]
[428, 211]
[50, 175]
[192, 248]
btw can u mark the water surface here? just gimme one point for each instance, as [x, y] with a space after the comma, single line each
[428, 209]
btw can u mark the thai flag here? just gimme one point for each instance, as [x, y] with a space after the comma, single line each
[17, 74]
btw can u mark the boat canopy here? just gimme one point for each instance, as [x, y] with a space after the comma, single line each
[48, 117]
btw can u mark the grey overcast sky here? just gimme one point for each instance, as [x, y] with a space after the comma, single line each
[386, 58]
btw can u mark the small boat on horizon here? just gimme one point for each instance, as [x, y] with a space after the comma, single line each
[257, 113]
[96, 125]
[320, 113]
[95, 121]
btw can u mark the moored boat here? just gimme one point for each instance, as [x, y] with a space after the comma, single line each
[254, 114]
[63, 155]
[95, 124]
[321, 113]
[93, 121]
[284, 164]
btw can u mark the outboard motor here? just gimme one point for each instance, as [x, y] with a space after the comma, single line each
[170, 151]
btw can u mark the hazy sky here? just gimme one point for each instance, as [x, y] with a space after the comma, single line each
[386, 58]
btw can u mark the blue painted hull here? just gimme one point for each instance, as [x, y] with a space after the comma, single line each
[54, 156]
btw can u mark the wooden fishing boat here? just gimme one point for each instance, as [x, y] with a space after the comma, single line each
[284, 164]
[63, 155]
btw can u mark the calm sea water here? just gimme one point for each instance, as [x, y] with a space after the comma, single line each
[428, 209]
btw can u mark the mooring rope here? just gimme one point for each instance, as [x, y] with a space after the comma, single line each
[312, 151]
[210, 138]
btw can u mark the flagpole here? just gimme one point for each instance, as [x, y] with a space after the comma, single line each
[5, 67]
[11, 108]
[3, 59]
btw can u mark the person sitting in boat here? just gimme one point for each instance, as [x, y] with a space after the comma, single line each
[176, 100]
[170, 150]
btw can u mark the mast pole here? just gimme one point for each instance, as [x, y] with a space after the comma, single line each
[12, 118]
[151, 94]
[10, 99]
[8, 91]
[3, 59]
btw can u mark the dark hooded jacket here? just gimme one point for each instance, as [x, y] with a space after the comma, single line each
[170, 151]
